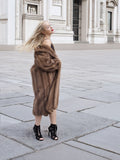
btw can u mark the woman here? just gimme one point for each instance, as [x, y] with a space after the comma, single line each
[45, 74]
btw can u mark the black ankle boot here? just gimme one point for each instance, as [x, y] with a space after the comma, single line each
[52, 129]
[37, 132]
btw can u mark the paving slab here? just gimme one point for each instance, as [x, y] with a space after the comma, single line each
[63, 96]
[70, 125]
[94, 150]
[107, 139]
[7, 86]
[111, 111]
[117, 125]
[71, 91]
[61, 152]
[29, 104]
[112, 75]
[27, 90]
[18, 112]
[81, 84]
[71, 104]
[7, 121]
[15, 100]
[114, 88]
[10, 148]
[99, 95]
[11, 94]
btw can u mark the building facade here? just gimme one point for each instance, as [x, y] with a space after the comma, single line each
[91, 21]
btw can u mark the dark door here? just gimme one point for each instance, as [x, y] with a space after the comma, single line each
[109, 21]
[76, 4]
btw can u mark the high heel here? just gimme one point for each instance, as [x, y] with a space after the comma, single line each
[37, 132]
[52, 131]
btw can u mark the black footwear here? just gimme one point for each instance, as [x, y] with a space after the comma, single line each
[37, 132]
[52, 129]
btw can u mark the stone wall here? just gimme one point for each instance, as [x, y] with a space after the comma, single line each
[19, 18]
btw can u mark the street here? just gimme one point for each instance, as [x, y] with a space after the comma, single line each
[88, 115]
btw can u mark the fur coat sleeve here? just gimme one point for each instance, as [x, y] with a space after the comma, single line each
[46, 62]
[45, 80]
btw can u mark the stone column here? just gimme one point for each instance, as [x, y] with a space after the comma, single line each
[104, 17]
[18, 28]
[99, 14]
[118, 18]
[71, 14]
[97, 35]
[25, 7]
[11, 22]
[84, 25]
[3, 21]
[90, 16]
[41, 8]
[117, 37]
[45, 9]
[94, 16]
[69, 19]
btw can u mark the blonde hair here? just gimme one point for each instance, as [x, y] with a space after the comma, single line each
[36, 39]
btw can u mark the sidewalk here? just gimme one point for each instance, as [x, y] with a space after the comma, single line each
[88, 115]
[75, 46]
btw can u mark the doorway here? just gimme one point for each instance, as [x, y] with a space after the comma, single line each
[109, 21]
[76, 19]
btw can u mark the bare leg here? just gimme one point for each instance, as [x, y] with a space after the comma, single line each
[38, 120]
[53, 117]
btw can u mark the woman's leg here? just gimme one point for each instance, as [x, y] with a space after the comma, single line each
[53, 117]
[38, 120]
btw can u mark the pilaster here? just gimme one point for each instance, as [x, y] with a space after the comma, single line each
[11, 21]
[84, 25]
[18, 18]
[45, 10]
[90, 16]
[117, 37]
[69, 18]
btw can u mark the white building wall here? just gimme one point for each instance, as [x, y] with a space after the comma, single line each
[11, 22]
[56, 14]
[16, 25]
[59, 18]
[97, 29]
[3, 21]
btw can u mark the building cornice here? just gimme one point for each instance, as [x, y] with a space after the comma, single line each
[32, 17]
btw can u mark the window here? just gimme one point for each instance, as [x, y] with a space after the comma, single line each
[32, 9]
[57, 2]
[76, 18]
[109, 21]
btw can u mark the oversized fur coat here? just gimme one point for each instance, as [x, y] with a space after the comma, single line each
[45, 74]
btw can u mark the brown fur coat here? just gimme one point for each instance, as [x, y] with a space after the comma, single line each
[45, 80]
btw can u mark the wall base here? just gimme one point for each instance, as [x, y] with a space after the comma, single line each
[97, 38]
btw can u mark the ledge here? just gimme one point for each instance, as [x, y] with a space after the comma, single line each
[75, 46]
[32, 17]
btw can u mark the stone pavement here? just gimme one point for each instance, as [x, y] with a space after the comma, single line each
[88, 114]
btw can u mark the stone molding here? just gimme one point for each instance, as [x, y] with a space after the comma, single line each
[32, 17]
[112, 3]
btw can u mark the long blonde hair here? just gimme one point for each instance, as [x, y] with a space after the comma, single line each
[37, 38]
